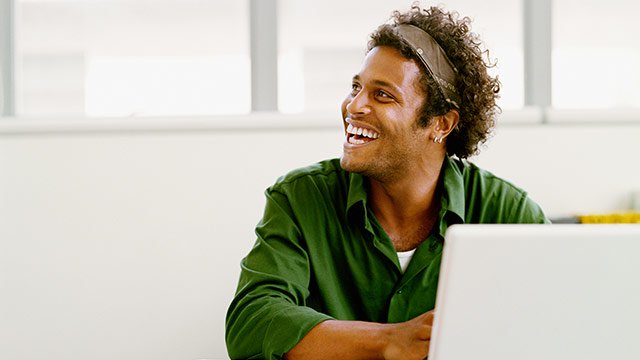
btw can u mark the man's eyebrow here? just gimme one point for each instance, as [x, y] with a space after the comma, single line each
[381, 83]
[389, 85]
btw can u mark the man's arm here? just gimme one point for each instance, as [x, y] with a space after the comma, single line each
[268, 315]
[353, 340]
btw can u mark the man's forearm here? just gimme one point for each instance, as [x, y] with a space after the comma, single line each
[353, 340]
[337, 339]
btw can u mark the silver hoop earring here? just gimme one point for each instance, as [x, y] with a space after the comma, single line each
[435, 140]
[440, 140]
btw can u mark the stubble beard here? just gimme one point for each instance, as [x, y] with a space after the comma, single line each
[389, 163]
[385, 170]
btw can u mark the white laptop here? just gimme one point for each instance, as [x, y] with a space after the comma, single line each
[517, 292]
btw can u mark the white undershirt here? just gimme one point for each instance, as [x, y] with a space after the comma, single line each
[405, 258]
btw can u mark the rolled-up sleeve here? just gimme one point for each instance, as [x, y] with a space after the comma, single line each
[268, 315]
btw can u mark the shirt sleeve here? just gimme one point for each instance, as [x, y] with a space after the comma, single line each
[268, 316]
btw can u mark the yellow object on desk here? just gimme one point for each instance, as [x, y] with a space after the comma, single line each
[615, 218]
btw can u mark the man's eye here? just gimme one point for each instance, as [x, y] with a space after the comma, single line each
[355, 88]
[383, 94]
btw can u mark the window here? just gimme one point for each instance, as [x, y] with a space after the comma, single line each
[595, 54]
[132, 57]
[121, 58]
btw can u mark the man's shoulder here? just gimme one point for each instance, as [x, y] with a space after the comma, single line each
[475, 175]
[323, 172]
[491, 198]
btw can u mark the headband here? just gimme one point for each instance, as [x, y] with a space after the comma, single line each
[434, 59]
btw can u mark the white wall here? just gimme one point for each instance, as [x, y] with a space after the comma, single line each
[569, 169]
[125, 244]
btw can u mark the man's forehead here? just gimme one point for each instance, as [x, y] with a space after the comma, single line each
[386, 66]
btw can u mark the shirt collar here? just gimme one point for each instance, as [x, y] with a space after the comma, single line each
[357, 191]
[451, 182]
[453, 190]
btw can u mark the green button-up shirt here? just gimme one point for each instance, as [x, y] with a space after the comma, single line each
[321, 254]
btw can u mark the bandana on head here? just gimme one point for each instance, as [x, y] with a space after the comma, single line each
[434, 59]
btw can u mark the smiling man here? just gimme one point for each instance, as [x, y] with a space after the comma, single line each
[347, 258]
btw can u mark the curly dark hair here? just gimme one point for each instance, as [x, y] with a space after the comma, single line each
[478, 90]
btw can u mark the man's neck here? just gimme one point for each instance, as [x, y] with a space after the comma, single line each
[407, 208]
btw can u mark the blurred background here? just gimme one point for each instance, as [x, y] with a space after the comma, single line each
[137, 137]
[96, 58]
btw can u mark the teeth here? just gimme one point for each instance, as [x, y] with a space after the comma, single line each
[354, 130]
[356, 141]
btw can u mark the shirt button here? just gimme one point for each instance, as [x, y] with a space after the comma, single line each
[399, 291]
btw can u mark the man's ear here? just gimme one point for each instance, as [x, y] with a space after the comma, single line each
[449, 121]
[445, 124]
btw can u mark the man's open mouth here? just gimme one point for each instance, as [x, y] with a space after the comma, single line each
[358, 136]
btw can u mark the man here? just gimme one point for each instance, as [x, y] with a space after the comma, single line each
[348, 252]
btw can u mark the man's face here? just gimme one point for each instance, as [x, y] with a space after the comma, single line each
[382, 109]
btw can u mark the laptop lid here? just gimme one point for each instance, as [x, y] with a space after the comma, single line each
[538, 292]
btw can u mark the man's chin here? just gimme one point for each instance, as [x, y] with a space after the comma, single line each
[347, 164]
[350, 165]
[367, 169]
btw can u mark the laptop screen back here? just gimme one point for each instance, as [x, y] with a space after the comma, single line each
[538, 292]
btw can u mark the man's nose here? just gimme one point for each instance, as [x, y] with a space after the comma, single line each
[359, 104]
